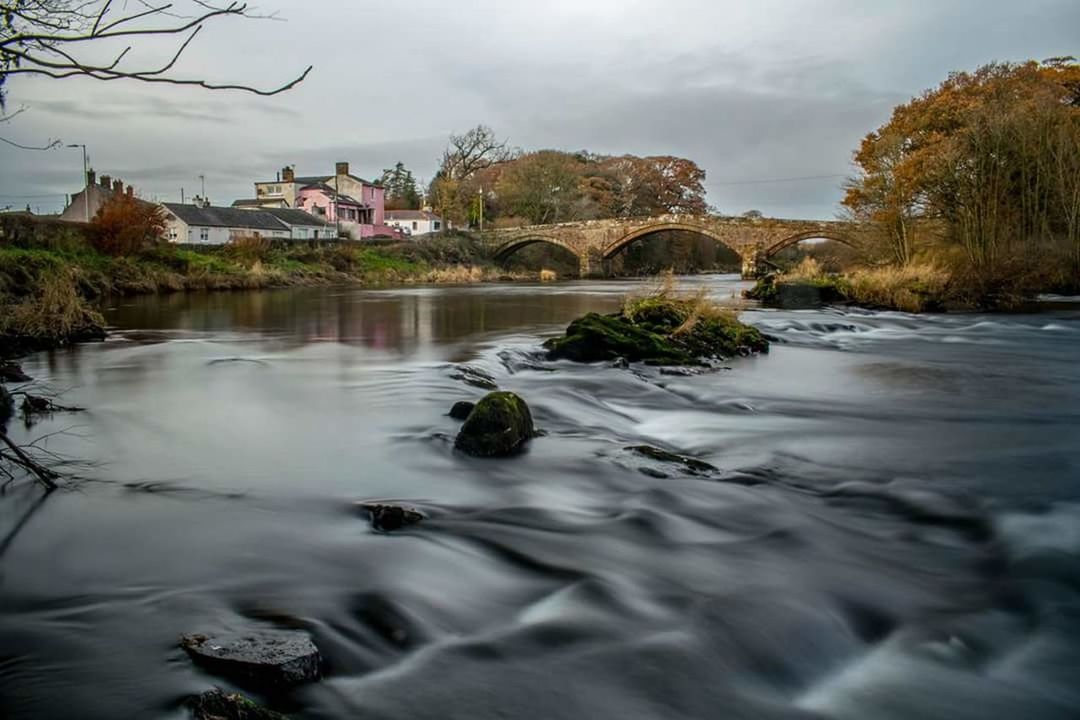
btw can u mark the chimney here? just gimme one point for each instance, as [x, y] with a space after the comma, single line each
[91, 178]
[341, 168]
[106, 181]
[118, 186]
[130, 191]
[287, 175]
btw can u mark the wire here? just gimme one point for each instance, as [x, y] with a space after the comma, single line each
[774, 180]
[31, 197]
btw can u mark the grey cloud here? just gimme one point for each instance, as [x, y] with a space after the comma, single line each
[773, 89]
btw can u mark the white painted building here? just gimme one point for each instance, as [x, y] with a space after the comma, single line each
[414, 222]
[196, 225]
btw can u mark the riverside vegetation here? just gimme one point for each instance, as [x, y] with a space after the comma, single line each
[51, 274]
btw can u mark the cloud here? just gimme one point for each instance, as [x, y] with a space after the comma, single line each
[751, 91]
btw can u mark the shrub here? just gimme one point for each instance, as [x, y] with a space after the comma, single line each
[247, 248]
[125, 225]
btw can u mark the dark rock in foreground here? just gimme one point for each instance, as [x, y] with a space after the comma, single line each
[387, 518]
[499, 425]
[12, 373]
[7, 407]
[659, 330]
[461, 410]
[694, 465]
[219, 705]
[267, 658]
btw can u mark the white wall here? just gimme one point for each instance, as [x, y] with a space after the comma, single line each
[423, 227]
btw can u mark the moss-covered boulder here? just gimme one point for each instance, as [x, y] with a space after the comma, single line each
[219, 705]
[499, 425]
[659, 330]
[798, 292]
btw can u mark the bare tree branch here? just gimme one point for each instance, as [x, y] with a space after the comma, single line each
[49, 38]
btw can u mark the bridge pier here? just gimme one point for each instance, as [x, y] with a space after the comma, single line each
[592, 264]
[754, 265]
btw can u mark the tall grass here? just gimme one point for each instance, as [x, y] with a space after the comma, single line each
[909, 288]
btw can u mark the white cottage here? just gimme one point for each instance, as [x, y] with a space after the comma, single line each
[198, 225]
[414, 222]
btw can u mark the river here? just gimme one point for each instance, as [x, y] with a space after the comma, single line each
[892, 529]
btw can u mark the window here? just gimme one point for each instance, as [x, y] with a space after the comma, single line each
[204, 235]
[434, 224]
[413, 224]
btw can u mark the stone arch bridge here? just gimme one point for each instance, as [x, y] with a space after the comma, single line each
[595, 242]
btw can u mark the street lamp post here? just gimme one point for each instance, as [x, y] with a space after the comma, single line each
[86, 182]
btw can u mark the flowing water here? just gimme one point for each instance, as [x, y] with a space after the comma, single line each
[892, 528]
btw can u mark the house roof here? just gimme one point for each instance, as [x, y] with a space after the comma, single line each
[411, 215]
[292, 216]
[225, 217]
[341, 197]
[316, 179]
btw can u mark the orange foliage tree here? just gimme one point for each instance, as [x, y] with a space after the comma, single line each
[992, 156]
[124, 225]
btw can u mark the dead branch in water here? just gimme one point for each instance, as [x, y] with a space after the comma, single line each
[17, 456]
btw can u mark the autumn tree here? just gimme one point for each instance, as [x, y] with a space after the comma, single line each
[124, 225]
[990, 156]
[543, 187]
[402, 192]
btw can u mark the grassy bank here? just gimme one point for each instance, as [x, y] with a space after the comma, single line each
[912, 288]
[49, 282]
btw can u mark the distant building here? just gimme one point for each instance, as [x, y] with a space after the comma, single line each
[303, 225]
[86, 203]
[200, 225]
[357, 204]
[414, 222]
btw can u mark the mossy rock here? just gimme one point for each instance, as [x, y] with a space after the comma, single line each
[219, 705]
[775, 292]
[596, 337]
[499, 425]
[659, 331]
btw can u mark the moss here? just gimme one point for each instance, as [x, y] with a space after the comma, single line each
[499, 425]
[219, 705]
[658, 329]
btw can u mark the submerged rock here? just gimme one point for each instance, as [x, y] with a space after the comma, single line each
[217, 704]
[268, 658]
[659, 330]
[499, 425]
[475, 377]
[387, 517]
[11, 372]
[461, 410]
[694, 465]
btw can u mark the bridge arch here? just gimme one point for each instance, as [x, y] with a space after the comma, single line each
[512, 246]
[625, 241]
[797, 238]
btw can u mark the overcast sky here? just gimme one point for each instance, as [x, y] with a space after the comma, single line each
[752, 91]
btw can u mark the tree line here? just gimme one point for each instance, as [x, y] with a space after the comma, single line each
[481, 175]
[983, 170]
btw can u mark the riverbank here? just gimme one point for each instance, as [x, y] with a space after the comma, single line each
[49, 287]
[914, 288]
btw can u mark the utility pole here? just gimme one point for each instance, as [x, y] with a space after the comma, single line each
[86, 182]
[481, 193]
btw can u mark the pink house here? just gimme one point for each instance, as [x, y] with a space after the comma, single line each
[358, 205]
